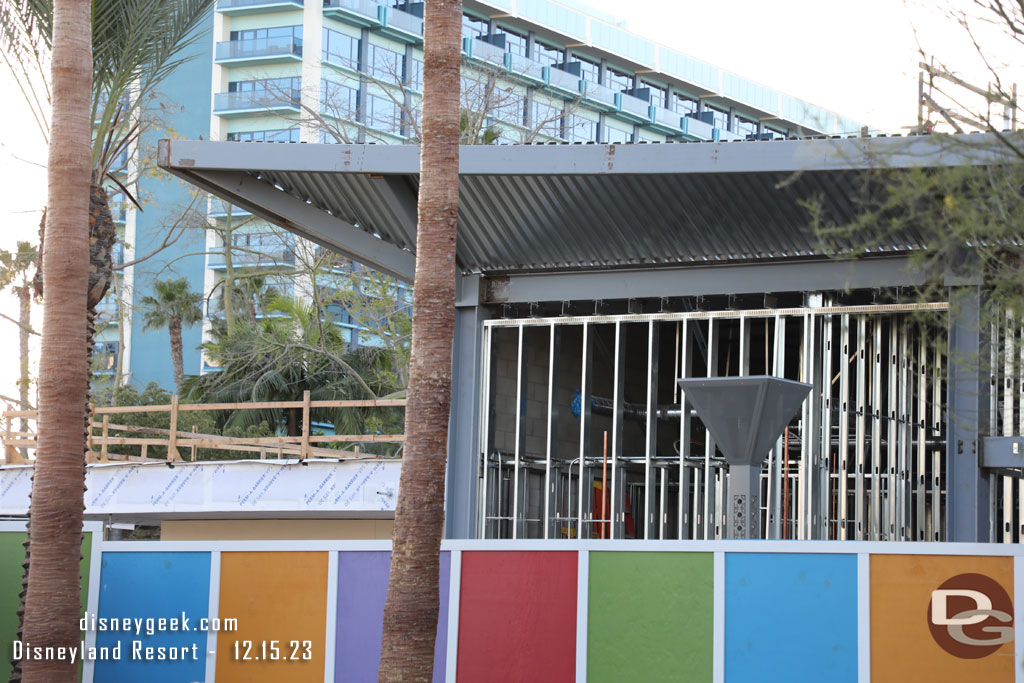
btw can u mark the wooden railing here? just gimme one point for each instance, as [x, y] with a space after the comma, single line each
[18, 445]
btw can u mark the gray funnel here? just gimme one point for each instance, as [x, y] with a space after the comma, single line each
[745, 415]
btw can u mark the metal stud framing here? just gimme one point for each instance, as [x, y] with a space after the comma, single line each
[858, 453]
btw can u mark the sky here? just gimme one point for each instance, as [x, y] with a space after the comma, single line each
[858, 59]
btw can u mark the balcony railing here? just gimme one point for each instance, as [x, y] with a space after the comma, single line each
[526, 67]
[404, 21]
[257, 99]
[251, 258]
[598, 92]
[366, 8]
[241, 4]
[563, 79]
[484, 51]
[666, 117]
[259, 47]
[634, 105]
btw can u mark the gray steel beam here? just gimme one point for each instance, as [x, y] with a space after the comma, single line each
[751, 157]
[291, 213]
[967, 486]
[464, 457]
[793, 276]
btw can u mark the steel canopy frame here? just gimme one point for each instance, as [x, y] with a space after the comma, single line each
[294, 186]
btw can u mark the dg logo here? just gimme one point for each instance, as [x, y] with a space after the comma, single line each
[970, 616]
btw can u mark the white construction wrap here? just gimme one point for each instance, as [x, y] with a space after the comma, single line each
[233, 487]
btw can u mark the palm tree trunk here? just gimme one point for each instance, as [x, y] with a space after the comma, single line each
[174, 329]
[410, 614]
[52, 601]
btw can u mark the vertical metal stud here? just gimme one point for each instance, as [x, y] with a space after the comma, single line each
[485, 412]
[825, 511]
[903, 477]
[651, 431]
[922, 434]
[876, 432]
[618, 405]
[685, 364]
[779, 370]
[844, 425]
[585, 408]
[663, 503]
[938, 413]
[520, 428]
[709, 442]
[861, 428]
[551, 435]
[1005, 391]
[892, 411]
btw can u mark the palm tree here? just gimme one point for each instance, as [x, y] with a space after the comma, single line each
[52, 601]
[107, 59]
[174, 306]
[293, 349]
[410, 613]
[136, 44]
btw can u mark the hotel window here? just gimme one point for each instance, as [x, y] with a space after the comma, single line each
[340, 49]
[547, 54]
[278, 135]
[615, 135]
[580, 129]
[659, 95]
[744, 126]
[721, 118]
[683, 104]
[384, 64]
[514, 43]
[383, 114]
[619, 81]
[588, 69]
[473, 27]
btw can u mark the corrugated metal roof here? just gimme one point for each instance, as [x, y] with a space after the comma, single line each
[524, 223]
[514, 218]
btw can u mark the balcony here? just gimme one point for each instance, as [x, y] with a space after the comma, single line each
[666, 120]
[599, 96]
[260, 50]
[402, 26]
[697, 129]
[264, 257]
[236, 7]
[229, 104]
[359, 12]
[483, 51]
[634, 108]
[528, 70]
[221, 213]
[563, 80]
